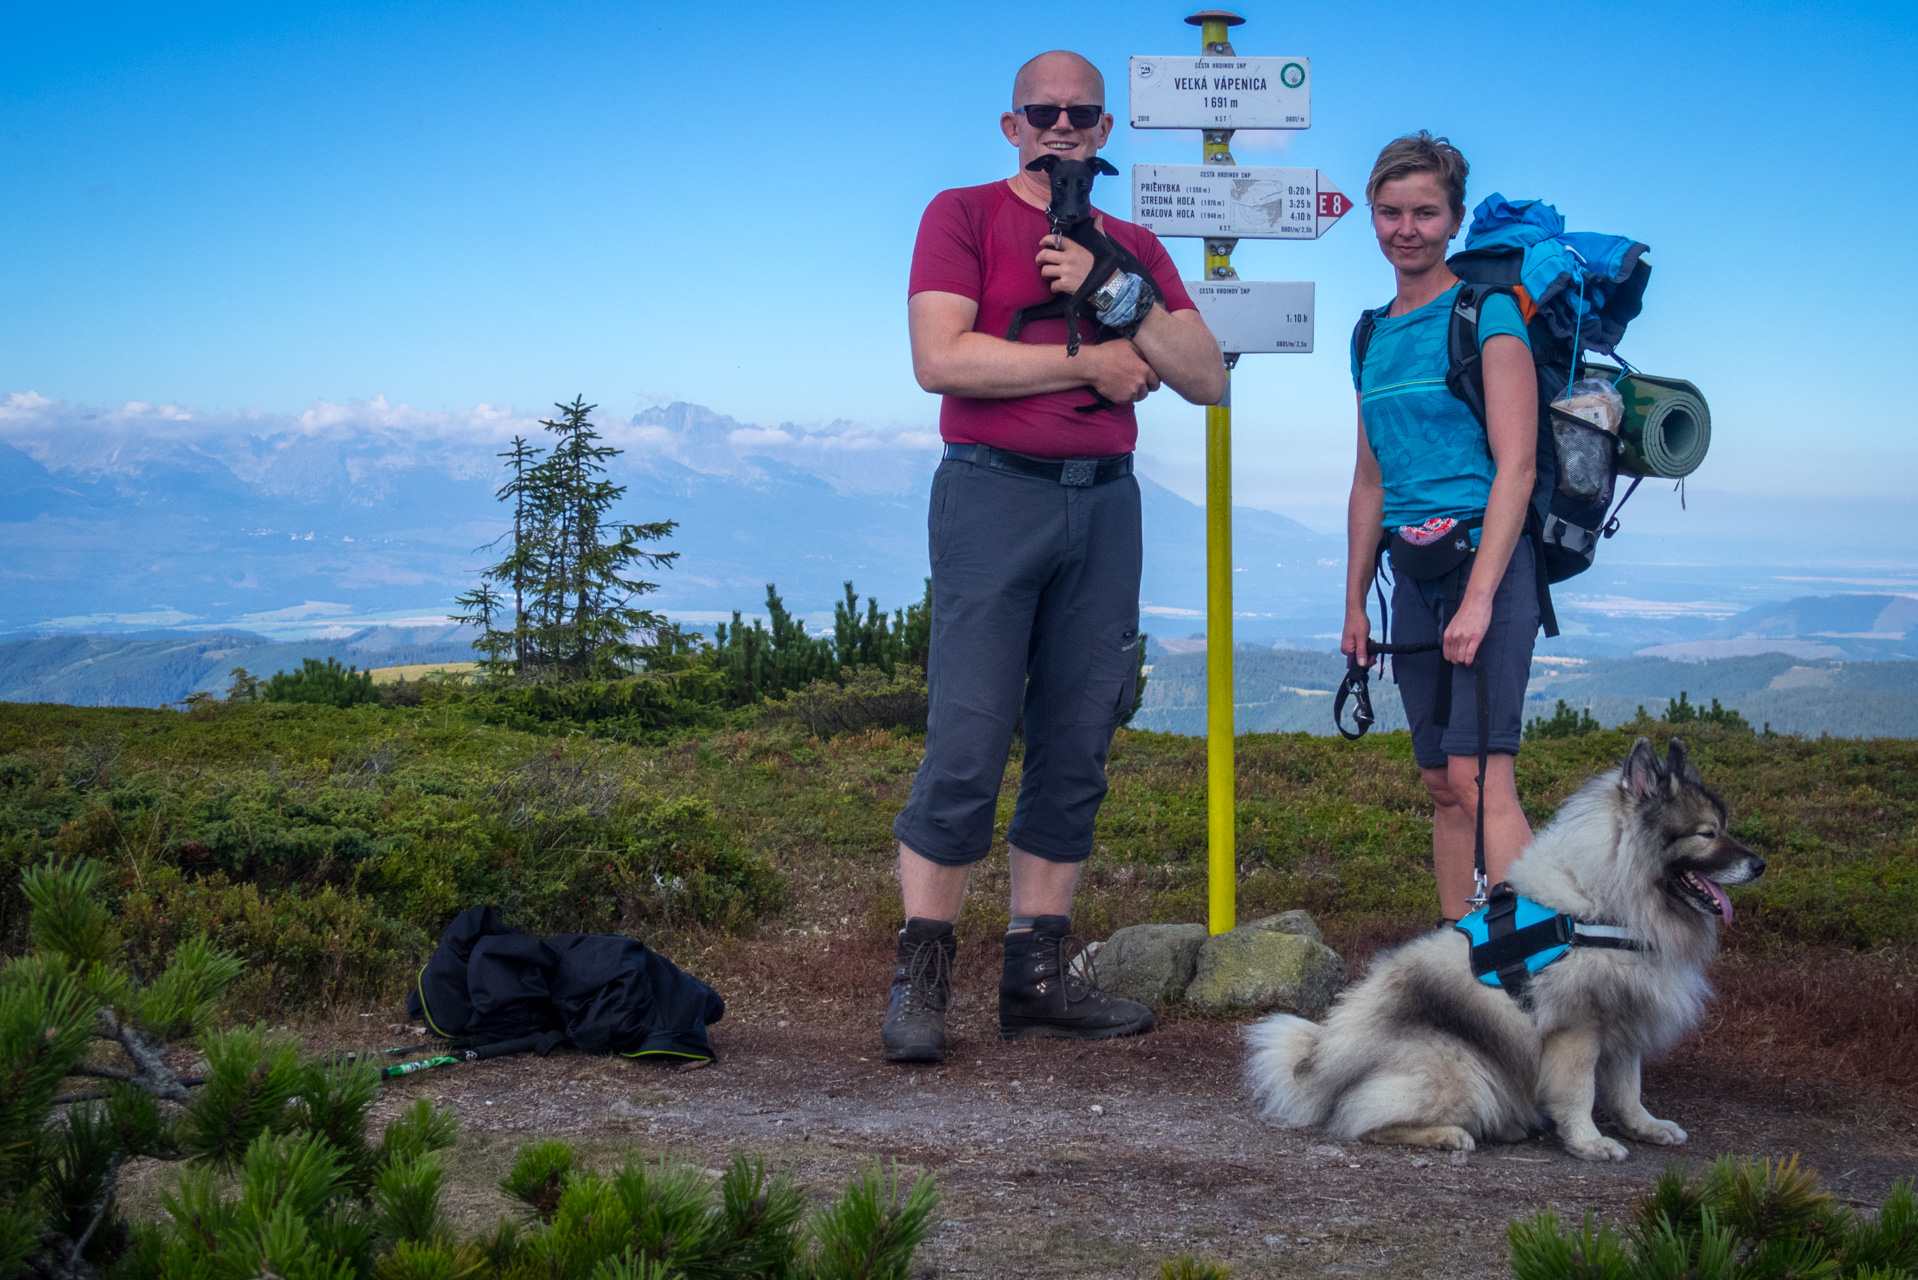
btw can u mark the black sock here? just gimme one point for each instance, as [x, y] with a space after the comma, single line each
[1021, 924]
[920, 929]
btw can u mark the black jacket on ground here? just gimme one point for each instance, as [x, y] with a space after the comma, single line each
[603, 992]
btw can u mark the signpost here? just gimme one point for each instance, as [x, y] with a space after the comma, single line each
[1221, 92]
[1255, 315]
[1223, 201]
[1246, 203]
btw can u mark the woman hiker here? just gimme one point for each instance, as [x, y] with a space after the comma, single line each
[1427, 471]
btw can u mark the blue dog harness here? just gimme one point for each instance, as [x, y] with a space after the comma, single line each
[1513, 938]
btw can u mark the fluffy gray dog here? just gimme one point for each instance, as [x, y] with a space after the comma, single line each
[1424, 1053]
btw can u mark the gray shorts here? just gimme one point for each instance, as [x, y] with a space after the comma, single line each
[1035, 611]
[1505, 659]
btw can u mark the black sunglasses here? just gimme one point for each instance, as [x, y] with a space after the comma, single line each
[1082, 115]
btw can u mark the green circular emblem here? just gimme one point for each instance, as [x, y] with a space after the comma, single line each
[1291, 75]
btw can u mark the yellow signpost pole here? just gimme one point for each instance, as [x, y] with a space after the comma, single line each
[1221, 818]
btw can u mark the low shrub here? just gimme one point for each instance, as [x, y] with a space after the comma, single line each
[668, 1221]
[1738, 1218]
[648, 707]
[307, 950]
[325, 683]
[861, 700]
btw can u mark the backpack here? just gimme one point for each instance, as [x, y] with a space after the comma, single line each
[1584, 308]
[491, 985]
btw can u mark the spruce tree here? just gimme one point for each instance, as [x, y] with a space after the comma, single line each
[568, 563]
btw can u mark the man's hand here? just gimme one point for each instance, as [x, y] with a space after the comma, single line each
[1119, 372]
[1064, 263]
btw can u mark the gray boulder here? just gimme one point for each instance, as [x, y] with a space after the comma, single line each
[1294, 921]
[1150, 962]
[1253, 970]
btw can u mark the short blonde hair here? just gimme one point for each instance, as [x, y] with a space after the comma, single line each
[1421, 153]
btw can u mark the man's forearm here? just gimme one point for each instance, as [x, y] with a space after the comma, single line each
[1183, 352]
[981, 366]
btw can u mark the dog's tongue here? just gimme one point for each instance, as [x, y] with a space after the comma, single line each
[1719, 896]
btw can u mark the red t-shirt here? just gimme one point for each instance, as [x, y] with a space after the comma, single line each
[980, 243]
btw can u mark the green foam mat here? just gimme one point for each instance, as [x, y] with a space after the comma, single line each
[1667, 428]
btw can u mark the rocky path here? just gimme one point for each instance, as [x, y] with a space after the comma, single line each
[1099, 1160]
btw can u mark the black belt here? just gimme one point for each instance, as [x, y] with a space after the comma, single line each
[1077, 472]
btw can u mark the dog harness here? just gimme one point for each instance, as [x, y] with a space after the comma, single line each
[1513, 938]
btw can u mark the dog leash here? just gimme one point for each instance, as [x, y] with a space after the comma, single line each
[1357, 688]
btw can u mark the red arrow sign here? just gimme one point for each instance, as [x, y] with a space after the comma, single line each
[1333, 204]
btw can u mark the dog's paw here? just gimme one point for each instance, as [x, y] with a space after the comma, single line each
[1597, 1147]
[1661, 1133]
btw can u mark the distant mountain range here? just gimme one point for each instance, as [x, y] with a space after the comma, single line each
[1291, 691]
[134, 519]
[319, 525]
[151, 669]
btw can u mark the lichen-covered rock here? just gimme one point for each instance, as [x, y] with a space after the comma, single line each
[1286, 922]
[1294, 921]
[1150, 962]
[1253, 970]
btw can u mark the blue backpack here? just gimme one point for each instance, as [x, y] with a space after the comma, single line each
[1576, 291]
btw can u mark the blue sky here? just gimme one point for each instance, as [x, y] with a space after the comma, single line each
[448, 204]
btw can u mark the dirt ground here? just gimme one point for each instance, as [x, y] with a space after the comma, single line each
[1100, 1160]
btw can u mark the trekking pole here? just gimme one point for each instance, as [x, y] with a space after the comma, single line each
[1220, 767]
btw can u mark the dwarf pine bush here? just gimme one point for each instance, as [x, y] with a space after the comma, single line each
[1739, 1219]
[669, 1222]
[290, 1133]
[281, 1177]
[1565, 722]
[327, 683]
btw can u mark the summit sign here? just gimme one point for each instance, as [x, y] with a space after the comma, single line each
[1221, 92]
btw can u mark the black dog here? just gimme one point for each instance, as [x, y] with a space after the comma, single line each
[1070, 215]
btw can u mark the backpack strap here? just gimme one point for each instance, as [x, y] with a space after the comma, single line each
[1465, 378]
[1361, 341]
[1465, 372]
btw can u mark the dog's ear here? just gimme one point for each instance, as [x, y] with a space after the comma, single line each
[1044, 164]
[1642, 775]
[1099, 164]
[1678, 765]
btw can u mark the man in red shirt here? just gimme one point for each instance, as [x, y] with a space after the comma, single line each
[1036, 551]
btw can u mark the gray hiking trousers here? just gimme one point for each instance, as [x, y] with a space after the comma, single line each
[1035, 609]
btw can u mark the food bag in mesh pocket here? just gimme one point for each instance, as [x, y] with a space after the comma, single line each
[1587, 459]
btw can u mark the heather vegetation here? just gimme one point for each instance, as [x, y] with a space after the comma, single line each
[326, 847]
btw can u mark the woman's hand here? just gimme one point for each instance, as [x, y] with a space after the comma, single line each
[1357, 636]
[1466, 631]
[1064, 263]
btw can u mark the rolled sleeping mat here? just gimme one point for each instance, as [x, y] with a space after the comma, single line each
[1667, 427]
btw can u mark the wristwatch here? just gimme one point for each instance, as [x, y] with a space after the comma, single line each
[1108, 292]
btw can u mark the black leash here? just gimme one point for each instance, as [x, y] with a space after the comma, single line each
[1357, 687]
[1479, 889]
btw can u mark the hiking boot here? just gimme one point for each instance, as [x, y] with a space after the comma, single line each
[915, 1027]
[1051, 988]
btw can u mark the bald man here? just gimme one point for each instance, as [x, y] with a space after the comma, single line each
[1036, 550]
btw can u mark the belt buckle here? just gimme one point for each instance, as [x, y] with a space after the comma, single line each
[1078, 472]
